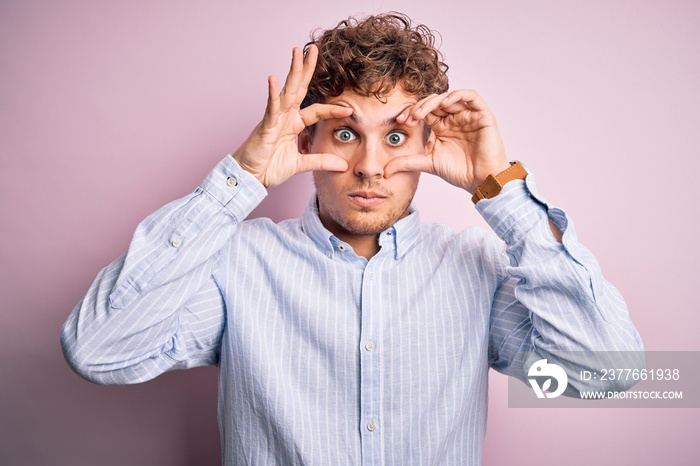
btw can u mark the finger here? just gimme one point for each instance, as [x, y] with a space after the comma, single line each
[405, 116]
[432, 119]
[468, 97]
[273, 100]
[476, 108]
[323, 162]
[456, 107]
[291, 84]
[408, 163]
[437, 111]
[307, 72]
[425, 107]
[427, 110]
[314, 113]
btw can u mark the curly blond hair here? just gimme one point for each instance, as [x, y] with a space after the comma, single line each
[373, 55]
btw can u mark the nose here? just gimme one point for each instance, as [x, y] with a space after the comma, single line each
[369, 162]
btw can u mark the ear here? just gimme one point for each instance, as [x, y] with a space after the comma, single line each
[303, 142]
[430, 142]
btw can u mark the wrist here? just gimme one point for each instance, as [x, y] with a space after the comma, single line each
[493, 184]
[490, 171]
[240, 159]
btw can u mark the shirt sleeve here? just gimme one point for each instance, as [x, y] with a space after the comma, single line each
[552, 301]
[157, 307]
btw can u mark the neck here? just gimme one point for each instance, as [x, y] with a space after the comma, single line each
[365, 245]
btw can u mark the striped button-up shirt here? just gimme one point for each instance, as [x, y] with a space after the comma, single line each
[326, 358]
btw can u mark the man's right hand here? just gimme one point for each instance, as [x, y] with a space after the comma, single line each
[270, 153]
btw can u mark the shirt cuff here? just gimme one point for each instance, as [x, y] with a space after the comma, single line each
[235, 189]
[514, 211]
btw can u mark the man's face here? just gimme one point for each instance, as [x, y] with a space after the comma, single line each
[361, 201]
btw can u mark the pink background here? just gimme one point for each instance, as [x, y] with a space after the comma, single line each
[108, 110]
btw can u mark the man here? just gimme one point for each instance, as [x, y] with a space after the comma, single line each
[356, 334]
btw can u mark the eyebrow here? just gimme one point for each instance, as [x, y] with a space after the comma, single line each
[392, 121]
[388, 122]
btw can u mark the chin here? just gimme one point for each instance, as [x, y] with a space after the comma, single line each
[366, 222]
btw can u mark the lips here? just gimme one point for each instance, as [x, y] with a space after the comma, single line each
[367, 198]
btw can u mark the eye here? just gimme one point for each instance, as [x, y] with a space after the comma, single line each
[344, 135]
[395, 138]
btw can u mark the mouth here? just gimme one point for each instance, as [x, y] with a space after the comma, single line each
[366, 198]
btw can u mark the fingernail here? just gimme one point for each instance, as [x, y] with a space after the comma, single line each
[409, 120]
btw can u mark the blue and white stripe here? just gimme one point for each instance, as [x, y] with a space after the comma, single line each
[325, 357]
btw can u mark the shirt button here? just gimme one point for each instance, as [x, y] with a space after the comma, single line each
[370, 346]
[371, 275]
[341, 247]
[328, 253]
[371, 426]
[176, 242]
[231, 181]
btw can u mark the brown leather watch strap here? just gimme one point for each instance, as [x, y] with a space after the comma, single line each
[493, 185]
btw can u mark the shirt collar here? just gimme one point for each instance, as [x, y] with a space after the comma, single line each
[399, 238]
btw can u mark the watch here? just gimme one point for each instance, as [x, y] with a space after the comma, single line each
[493, 185]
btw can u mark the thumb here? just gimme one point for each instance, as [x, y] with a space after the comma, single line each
[323, 162]
[409, 163]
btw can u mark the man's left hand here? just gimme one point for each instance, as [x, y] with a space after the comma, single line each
[466, 146]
